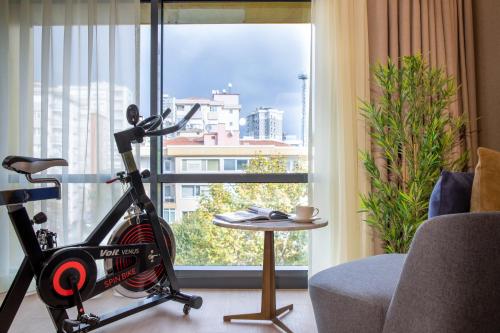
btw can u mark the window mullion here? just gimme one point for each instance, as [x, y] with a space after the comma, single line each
[204, 178]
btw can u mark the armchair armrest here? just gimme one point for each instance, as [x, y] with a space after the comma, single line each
[451, 278]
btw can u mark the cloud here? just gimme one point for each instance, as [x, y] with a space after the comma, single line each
[260, 60]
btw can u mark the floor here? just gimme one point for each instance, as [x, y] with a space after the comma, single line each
[168, 317]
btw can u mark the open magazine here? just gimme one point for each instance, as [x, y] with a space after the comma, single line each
[253, 213]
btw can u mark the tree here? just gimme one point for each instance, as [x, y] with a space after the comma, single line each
[199, 242]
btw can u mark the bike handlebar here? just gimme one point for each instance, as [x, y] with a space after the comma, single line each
[153, 122]
[166, 113]
[148, 127]
[177, 126]
[150, 123]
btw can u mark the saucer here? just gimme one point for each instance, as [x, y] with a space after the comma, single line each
[294, 218]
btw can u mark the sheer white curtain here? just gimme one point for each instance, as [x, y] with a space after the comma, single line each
[337, 131]
[68, 71]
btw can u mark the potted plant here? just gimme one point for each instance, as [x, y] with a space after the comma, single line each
[414, 137]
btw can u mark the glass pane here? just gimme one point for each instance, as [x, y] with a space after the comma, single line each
[187, 191]
[194, 230]
[196, 190]
[253, 96]
[192, 165]
[241, 165]
[82, 207]
[169, 193]
[252, 120]
[83, 111]
[229, 164]
[169, 215]
[213, 165]
[168, 165]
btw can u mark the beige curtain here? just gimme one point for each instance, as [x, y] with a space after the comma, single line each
[340, 79]
[441, 30]
[68, 70]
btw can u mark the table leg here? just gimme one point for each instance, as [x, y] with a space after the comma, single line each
[268, 304]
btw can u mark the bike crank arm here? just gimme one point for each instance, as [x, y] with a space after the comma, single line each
[83, 318]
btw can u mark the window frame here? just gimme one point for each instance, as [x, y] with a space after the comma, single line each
[198, 190]
[196, 276]
[204, 164]
[168, 212]
[199, 276]
[170, 198]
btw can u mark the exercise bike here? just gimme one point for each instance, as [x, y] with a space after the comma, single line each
[138, 258]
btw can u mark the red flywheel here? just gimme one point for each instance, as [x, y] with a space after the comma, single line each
[136, 231]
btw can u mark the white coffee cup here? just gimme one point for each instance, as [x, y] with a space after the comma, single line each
[306, 212]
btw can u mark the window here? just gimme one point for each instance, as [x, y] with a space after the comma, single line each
[235, 164]
[229, 165]
[192, 165]
[194, 191]
[189, 191]
[235, 196]
[168, 164]
[240, 155]
[169, 215]
[241, 165]
[279, 34]
[186, 214]
[199, 165]
[169, 193]
[69, 112]
[212, 165]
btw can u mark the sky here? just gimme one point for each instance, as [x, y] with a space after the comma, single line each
[261, 61]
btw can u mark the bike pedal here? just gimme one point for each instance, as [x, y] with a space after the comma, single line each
[70, 324]
[90, 319]
[158, 290]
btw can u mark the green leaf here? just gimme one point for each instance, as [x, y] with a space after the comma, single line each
[414, 135]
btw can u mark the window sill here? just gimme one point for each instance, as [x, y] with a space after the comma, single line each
[239, 277]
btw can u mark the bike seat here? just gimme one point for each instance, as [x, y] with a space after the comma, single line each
[30, 165]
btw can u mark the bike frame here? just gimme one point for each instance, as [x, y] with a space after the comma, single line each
[35, 257]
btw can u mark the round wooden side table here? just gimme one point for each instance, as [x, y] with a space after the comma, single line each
[268, 306]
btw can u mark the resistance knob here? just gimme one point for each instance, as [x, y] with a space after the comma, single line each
[39, 218]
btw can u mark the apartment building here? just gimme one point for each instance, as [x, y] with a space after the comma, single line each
[197, 155]
[223, 108]
[265, 124]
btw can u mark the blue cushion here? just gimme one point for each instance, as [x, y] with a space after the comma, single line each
[451, 194]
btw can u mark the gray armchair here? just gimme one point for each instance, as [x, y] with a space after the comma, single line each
[448, 282]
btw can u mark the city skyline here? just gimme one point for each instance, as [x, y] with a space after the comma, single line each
[263, 123]
[199, 58]
[268, 127]
[211, 143]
